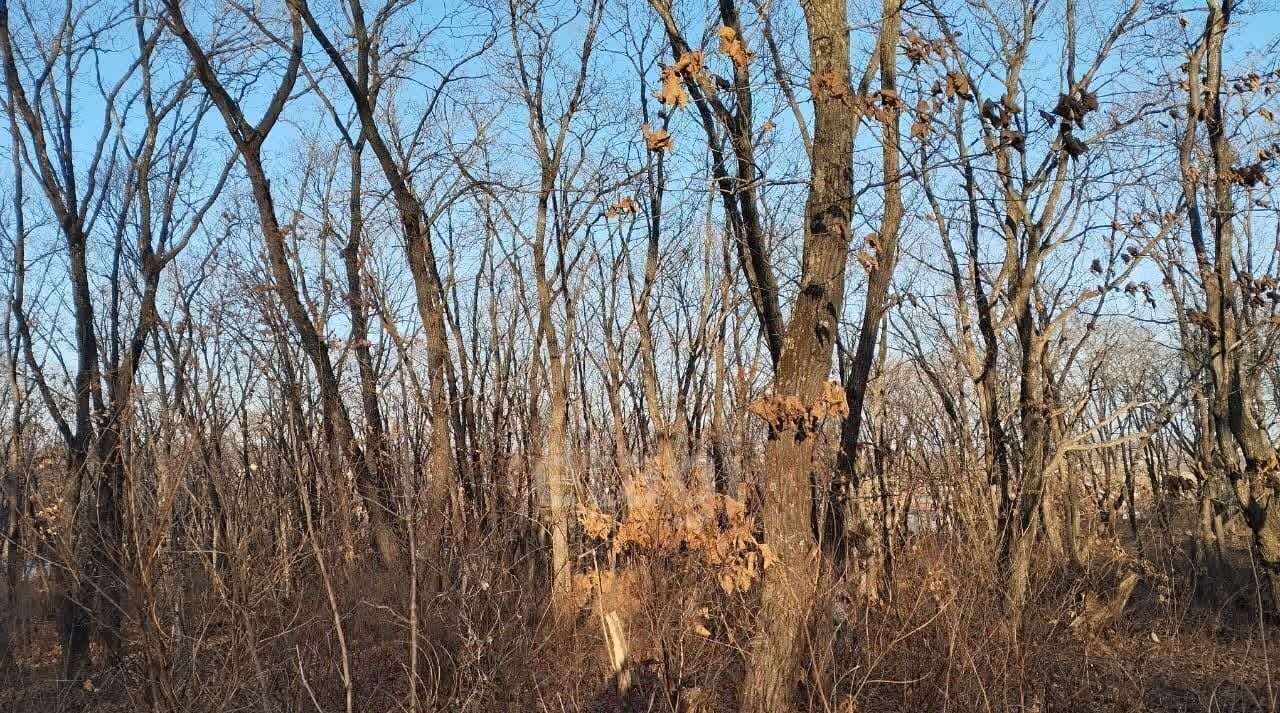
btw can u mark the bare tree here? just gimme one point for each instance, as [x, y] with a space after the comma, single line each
[249, 138]
[803, 366]
[1241, 445]
[126, 188]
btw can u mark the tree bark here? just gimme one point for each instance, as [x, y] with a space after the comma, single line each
[804, 365]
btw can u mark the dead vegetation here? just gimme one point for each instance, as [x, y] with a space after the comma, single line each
[639, 355]
[660, 632]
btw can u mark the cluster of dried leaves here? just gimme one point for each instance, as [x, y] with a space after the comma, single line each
[868, 256]
[1072, 108]
[46, 515]
[658, 140]
[624, 207]
[1260, 291]
[925, 111]
[882, 105]
[690, 68]
[1001, 116]
[919, 49]
[1250, 175]
[672, 92]
[781, 411]
[1252, 82]
[952, 85]
[922, 50]
[826, 85]
[734, 48]
[1133, 289]
[671, 518]
[610, 590]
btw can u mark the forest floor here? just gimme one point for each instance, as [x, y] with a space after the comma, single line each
[939, 646]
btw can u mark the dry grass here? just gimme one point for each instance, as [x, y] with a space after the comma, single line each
[487, 642]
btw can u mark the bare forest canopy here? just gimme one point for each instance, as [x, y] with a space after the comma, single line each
[670, 355]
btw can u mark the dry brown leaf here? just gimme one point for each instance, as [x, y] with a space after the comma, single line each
[777, 410]
[672, 93]
[626, 206]
[957, 85]
[595, 524]
[918, 49]
[690, 62]
[658, 141]
[833, 403]
[732, 46]
[687, 67]
[867, 260]
[767, 556]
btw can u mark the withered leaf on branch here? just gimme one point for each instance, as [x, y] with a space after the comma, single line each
[1089, 100]
[781, 411]
[1250, 175]
[688, 67]
[1074, 147]
[957, 85]
[732, 46]
[989, 112]
[1016, 139]
[918, 49]
[690, 62]
[880, 105]
[1074, 107]
[867, 260]
[833, 403]
[658, 141]
[777, 410]
[626, 206]
[672, 93]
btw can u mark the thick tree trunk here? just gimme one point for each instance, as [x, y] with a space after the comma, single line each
[788, 588]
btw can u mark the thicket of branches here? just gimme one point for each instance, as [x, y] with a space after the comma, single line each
[612, 354]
